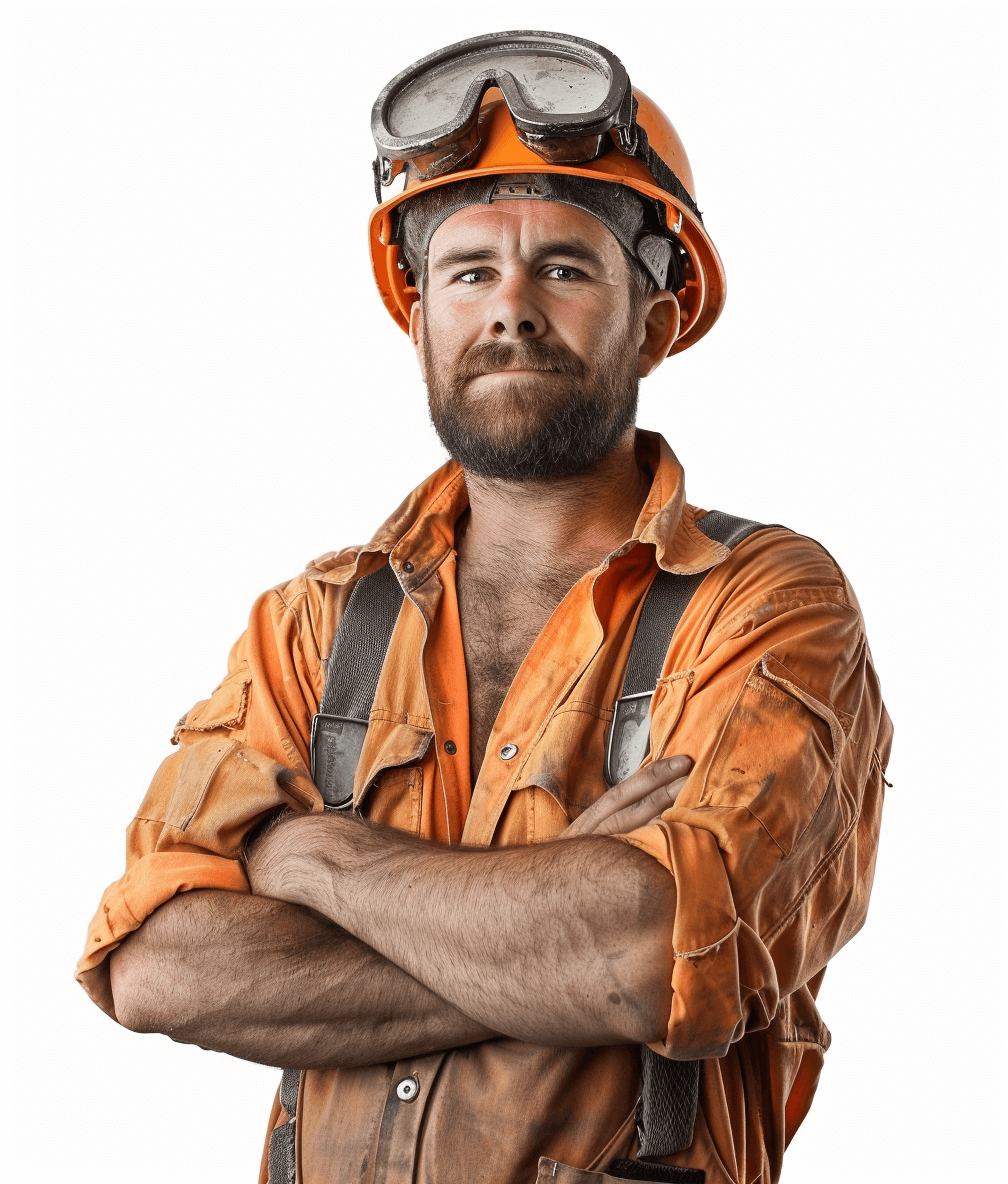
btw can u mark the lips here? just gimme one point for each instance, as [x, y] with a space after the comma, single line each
[519, 370]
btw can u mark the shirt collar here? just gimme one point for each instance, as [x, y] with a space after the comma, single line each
[420, 533]
[666, 520]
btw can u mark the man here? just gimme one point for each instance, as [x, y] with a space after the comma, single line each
[505, 907]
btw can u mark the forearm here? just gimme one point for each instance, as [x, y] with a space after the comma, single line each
[564, 943]
[269, 982]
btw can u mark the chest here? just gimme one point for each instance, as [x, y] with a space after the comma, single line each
[490, 666]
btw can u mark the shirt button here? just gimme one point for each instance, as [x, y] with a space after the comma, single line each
[450, 747]
[407, 567]
[508, 751]
[407, 1089]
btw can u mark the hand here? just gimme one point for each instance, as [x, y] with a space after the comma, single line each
[642, 798]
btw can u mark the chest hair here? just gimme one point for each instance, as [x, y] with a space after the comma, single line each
[501, 618]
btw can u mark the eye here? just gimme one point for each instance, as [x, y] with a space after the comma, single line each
[563, 273]
[474, 276]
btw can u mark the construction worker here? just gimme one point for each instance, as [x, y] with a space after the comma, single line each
[520, 837]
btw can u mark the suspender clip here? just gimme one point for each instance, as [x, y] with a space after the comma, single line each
[629, 736]
[336, 744]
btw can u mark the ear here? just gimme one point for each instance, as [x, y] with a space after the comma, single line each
[416, 334]
[661, 328]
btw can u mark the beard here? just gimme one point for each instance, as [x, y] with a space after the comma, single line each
[556, 422]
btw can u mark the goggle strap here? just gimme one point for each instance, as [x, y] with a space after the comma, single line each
[663, 175]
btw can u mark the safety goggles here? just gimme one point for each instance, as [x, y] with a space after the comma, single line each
[565, 95]
[570, 100]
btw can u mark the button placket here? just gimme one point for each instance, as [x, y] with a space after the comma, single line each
[395, 1153]
[558, 658]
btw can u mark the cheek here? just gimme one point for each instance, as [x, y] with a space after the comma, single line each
[586, 320]
[452, 324]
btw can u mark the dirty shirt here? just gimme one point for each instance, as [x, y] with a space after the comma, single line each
[768, 685]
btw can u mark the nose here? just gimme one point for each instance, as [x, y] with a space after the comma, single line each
[514, 312]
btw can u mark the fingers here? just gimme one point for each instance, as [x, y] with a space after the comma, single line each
[667, 769]
[642, 812]
[637, 786]
[653, 780]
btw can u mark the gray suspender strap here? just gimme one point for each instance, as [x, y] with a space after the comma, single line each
[282, 1154]
[664, 605]
[365, 630]
[352, 673]
[726, 528]
[337, 737]
[666, 602]
[666, 1110]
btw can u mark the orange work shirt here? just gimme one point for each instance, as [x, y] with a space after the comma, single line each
[768, 685]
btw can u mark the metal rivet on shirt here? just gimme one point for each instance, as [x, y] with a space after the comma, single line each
[407, 1089]
[450, 747]
[508, 751]
[407, 567]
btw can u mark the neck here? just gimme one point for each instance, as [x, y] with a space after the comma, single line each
[568, 523]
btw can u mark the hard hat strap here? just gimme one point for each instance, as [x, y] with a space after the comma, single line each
[633, 141]
[663, 175]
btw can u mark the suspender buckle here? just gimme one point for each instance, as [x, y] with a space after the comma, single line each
[336, 744]
[629, 736]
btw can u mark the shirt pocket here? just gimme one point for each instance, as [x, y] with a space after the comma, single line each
[213, 791]
[214, 788]
[226, 707]
[568, 760]
[776, 754]
[395, 799]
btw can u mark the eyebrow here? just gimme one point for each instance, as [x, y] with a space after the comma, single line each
[460, 256]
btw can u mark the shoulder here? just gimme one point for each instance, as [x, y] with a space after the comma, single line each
[778, 565]
[777, 593]
[778, 610]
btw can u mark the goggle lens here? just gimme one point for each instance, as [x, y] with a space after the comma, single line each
[545, 84]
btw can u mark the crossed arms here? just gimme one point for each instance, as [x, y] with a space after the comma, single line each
[361, 945]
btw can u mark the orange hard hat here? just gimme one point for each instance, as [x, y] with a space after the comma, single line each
[502, 153]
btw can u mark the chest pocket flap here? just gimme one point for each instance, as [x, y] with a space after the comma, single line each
[392, 741]
[226, 707]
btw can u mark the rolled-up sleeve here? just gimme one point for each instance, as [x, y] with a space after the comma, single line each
[772, 842]
[241, 755]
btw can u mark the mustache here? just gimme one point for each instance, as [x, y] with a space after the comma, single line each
[490, 357]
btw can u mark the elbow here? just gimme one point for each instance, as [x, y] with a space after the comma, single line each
[645, 1006]
[634, 1009]
[132, 977]
[643, 996]
[656, 1013]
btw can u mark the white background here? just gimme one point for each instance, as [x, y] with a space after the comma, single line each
[209, 393]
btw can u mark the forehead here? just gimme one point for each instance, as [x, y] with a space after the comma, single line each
[524, 225]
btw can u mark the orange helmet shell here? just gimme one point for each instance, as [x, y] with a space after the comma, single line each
[503, 153]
